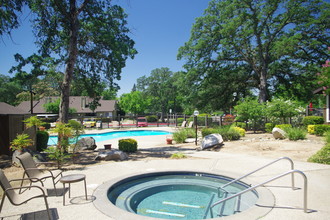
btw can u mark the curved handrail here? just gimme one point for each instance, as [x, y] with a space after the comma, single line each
[270, 180]
[248, 174]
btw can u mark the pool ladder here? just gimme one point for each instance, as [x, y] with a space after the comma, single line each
[292, 171]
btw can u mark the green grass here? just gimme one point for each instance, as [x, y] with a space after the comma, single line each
[178, 156]
[322, 156]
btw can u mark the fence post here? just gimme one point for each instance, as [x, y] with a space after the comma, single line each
[168, 121]
[220, 122]
[206, 121]
[176, 120]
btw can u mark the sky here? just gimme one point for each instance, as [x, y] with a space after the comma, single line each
[158, 27]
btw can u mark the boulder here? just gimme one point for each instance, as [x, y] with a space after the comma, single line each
[87, 143]
[278, 133]
[211, 141]
[111, 155]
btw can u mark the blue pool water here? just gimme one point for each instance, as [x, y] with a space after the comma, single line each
[180, 195]
[114, 134]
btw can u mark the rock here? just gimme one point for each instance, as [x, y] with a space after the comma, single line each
[111, 155]
[87, 143]
[278, 133]
[211, 141]
[190, 140]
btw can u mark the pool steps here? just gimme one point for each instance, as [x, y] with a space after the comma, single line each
[290, 172]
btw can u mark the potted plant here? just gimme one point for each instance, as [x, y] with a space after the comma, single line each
[21, 142]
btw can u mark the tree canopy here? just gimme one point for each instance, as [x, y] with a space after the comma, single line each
[86, 40]
[256, 44]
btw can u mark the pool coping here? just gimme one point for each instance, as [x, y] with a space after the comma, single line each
[264, 204]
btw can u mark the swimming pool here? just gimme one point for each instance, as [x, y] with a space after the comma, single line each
[114, 134]
[172, 195]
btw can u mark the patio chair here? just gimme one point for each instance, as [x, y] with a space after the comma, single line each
[36, 174]
[184, 123]
[30, 192]
[191, 124]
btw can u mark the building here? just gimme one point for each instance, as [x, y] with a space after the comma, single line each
[11, 124]
[107, 108]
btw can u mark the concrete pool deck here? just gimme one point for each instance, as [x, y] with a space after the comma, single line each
[288, 203]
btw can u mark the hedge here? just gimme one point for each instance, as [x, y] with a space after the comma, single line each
[42, 140]
[313, 120]
[321, 129]
[127, 145]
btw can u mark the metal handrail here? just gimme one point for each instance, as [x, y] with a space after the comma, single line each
[270, 180]
[248, 174]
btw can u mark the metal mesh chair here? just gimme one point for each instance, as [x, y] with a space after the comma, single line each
[36, 174]
[17, 199]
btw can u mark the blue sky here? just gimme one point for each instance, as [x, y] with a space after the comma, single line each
[159, 28]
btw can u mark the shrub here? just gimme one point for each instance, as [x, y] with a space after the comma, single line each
[226, 132]
[241, 131]
[152, 118]
[322, 156]
[178, 156]
[240, 125]
[47, 125]
[327, 137]
[42, 140]
[269, 127]
[283, 126]
[127, 145]
[58, 154]
[311, 129]
[295, 134]
[208, 131]
[230, 135]
[21, 142]
[181, 135]
[321, 129]
[313, 120]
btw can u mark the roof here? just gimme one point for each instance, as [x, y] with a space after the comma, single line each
[76, 102]
[6, 109]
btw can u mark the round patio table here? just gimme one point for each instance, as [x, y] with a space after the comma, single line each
[73, 178]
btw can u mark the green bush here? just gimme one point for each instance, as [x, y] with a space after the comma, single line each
[47, 125]
[181, 135]
[152, 118]
[312, 120]
[311, 129]
[42, 140]
[321, 129]
[269, 127]
[283, 126]
[127, 145]
[322, 156]
[241, 131]
[295, 133]
[225, 131]
[327, 137]
[230, 135]
[240, 125]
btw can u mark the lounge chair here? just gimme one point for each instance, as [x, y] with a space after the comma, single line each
[36, 174]
[184, 123]
[30, 192]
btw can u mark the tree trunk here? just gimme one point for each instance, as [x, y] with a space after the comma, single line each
[69, 69]
[263, 86]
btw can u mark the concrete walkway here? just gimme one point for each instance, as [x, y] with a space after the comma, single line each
[288, 202]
